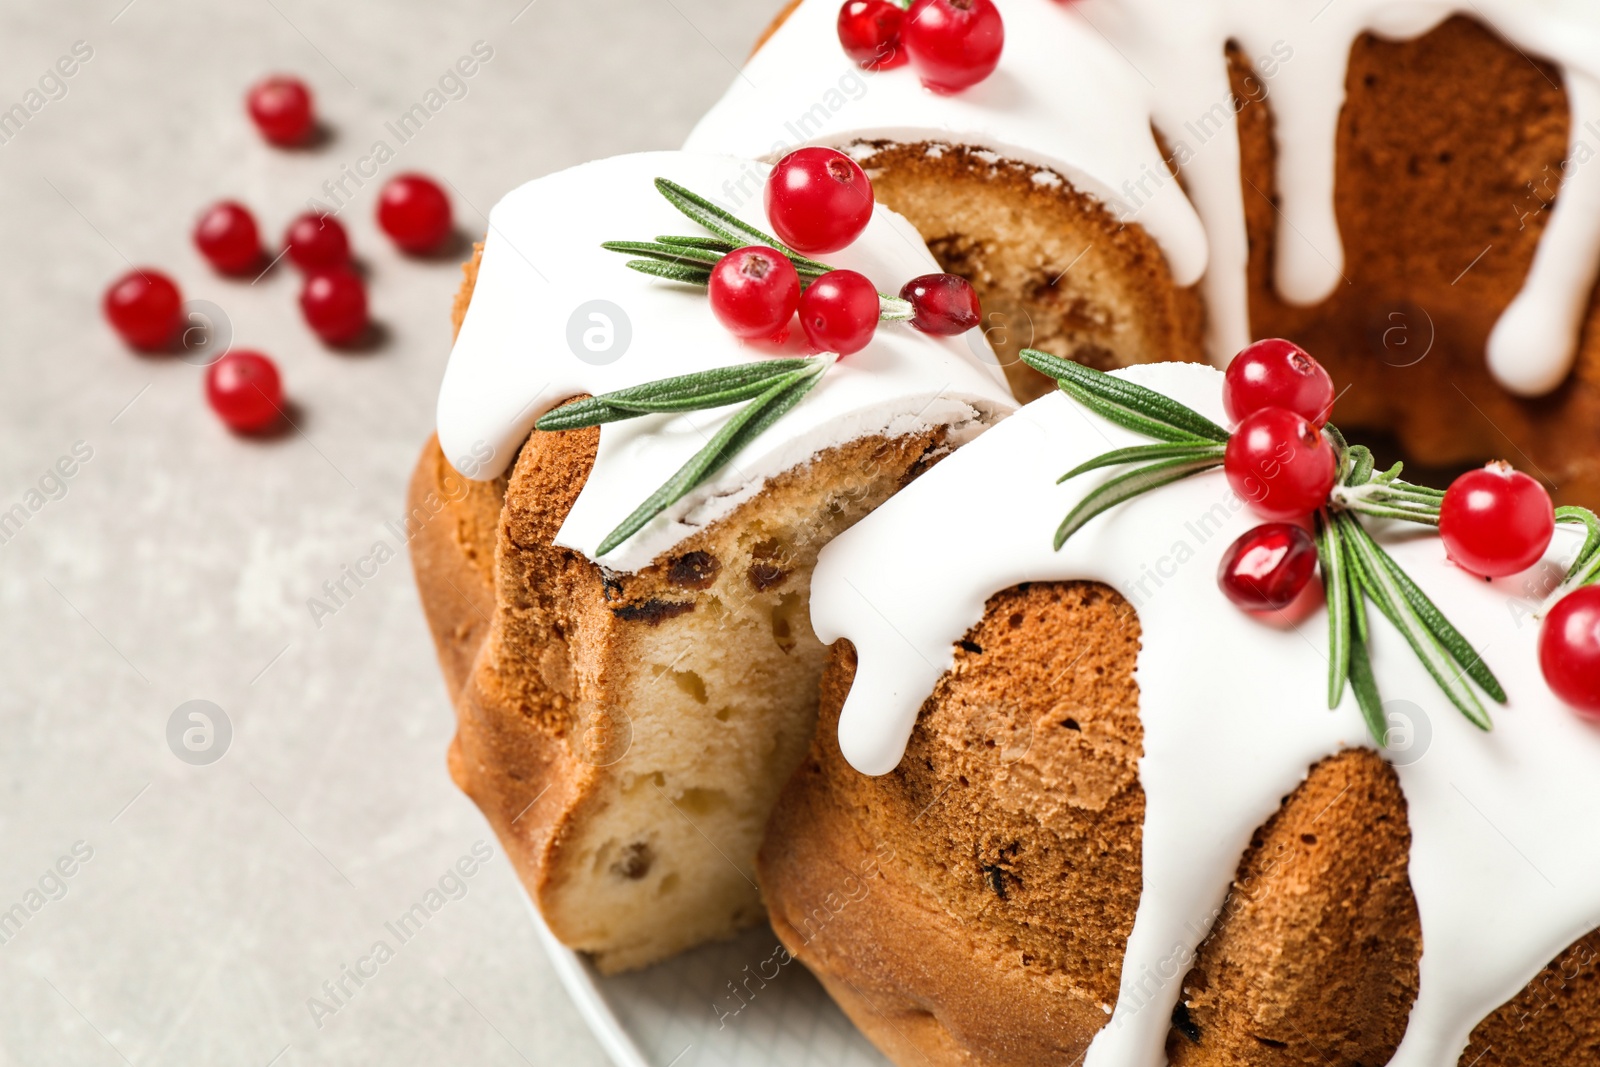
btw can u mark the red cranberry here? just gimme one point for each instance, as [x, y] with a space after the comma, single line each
[281, 108]
[1280, 464]
[754, 292]
[1569, 650]
[415, 213]
[1496, 521]
[1277, 374]
[942, 304]
[316, 242]
[818, 200]
[334, 303]
[953, 44]
[869, 30]
[1268, 567]
[244, 389]
[227, 236]
[839, 312]
[142, 306]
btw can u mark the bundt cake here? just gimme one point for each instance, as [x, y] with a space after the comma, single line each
[627, 717]
[1122, 825]
[1401, 187]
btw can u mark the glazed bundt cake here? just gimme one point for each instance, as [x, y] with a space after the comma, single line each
[1114, 822]
[1400, 187]
[627, 716]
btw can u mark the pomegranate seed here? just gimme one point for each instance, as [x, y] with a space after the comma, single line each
[839, 312]
[1496, 521]
[244, 389]
[334, 302]
[953, 44]
[317, 241]
[281, 108]
[1569, 650]
[818, 200]
[227, 236]
[869, 30]
[415, 213]
[1277, 374]
[754, 292]
[942, 304]
[1280, 464]
[142, 306]
[1268, 567]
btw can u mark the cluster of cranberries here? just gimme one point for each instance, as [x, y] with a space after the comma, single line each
[1494, 522]
[951, 44]
[243, 387]
[819, 201]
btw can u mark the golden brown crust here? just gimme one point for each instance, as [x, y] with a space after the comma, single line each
[1442, 191]
[555, 666]
[971, 906]
[1053, 268]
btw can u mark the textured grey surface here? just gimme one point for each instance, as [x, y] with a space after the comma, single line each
[178, 561]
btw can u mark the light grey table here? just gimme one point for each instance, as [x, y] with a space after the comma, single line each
[177, 562]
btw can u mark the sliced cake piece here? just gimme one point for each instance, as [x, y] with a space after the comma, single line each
[627, 718]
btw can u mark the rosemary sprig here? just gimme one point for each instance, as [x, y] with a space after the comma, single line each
[772, 388]
[1355, 568]
[689, 259]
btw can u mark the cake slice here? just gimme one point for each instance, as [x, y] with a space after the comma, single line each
[1084, 810]
[626, 719]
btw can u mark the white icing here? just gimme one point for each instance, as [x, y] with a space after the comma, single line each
[1080, 85]
[542, 260]
[1234, 710]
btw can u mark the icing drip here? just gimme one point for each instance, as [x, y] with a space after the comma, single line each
[1234, 711]
[1080, 86]
[530, 341]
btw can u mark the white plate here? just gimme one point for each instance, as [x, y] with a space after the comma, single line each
[731, 1004]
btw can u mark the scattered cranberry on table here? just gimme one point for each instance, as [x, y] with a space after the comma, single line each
[818, 200]
[227, 236]
[870, 30]
[244, 389]
[334, 302]
[839, 312]
[1268, 567]
[1496, 521]
[1569, 650]
[754, 292]
[316, 242]
[143, 307]
[415, 213]
[1277, 374]
[953, 44]
[942, 304]
[281, 108]
[1280, 464]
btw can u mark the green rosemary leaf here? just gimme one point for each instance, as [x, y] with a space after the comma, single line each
[1140, 453]
[1361, 465]
[1583, 566]
[1365, 686]
[1395, 604]
[781, 395]
[665, 252]
[688, 392]
[1126, 487]
[1359, 586]
[709, 244]
[1336, 581]
[1447, 635]
[672, 271]
[1125, 403]
[726, 225]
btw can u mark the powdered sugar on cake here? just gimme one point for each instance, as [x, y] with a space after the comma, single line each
[554, 315]
[1235, 711]
[1081, 85]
